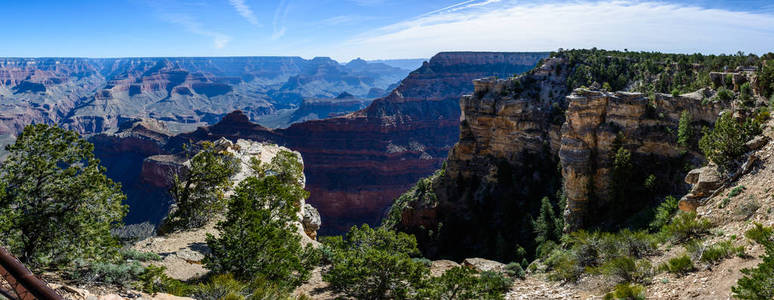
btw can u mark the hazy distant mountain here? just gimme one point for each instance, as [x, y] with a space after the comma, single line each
[408, 63]
[94, 95]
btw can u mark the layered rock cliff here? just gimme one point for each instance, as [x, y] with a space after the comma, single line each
[504, 161]
[357, 164]
[123, 153]
[529, 137]
[599, 124]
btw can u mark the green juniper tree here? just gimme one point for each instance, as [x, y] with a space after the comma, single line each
[199, 191]
[758, 282]
[258, 238]
[374, 264]
[465, 283]
[723, 144]
[57, 205]
[684, 132]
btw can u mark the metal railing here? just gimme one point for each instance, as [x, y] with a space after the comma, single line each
[24, 283]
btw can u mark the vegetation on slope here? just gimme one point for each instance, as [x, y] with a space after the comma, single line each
[258, 238]
[56, 204]
[653, 72]
[199, 191]
[758, 282]
[726, 142]
[382, 264]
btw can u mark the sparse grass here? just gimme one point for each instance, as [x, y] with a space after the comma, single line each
[679, 266]
[684, 227]
[714, 253]
[736, 191]
[515, 270]
[133, 254]
[119, 274]
[613, 254]
[664, 213]
[724, 203]
[626, 292]
[627, 270]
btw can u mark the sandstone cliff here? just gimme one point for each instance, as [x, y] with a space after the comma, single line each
[504, 160]
[529, 137]
[599, 123]
[357, 164]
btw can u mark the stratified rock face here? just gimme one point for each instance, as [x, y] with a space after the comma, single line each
[318, 108]
[356, 165]
[94, 95]
[43, 90]
[502, 165]
[598, 123]
[527, 138]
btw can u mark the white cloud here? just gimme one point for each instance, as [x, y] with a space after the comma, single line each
[495, 25]
[219, 40]
[278, 24]
[241, 7]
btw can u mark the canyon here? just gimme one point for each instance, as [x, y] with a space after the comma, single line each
[355, 164]
[94, 95]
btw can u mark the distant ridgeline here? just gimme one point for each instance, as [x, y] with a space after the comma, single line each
[594, 131]
[95, 95]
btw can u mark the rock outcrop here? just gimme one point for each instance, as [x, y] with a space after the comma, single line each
[244, 151]
[182, 252]
[504, 162]
[357, 164]
[598, 125]
[123, 153]
[530, 137]
[704, 182]
[311, 221]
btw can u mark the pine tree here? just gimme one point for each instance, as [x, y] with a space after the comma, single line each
[199, 191]
[545, 225]
[57, 205]
[684, 132]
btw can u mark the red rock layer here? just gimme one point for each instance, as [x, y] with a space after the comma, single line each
[357, 164]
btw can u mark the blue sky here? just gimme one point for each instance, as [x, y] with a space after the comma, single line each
[376, 29]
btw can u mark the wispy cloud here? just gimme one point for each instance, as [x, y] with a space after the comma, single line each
[367, 2]
[219, 40]
[241, 7]
[460, 6]
[347, 19]
[278, 24]
[503, 25]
